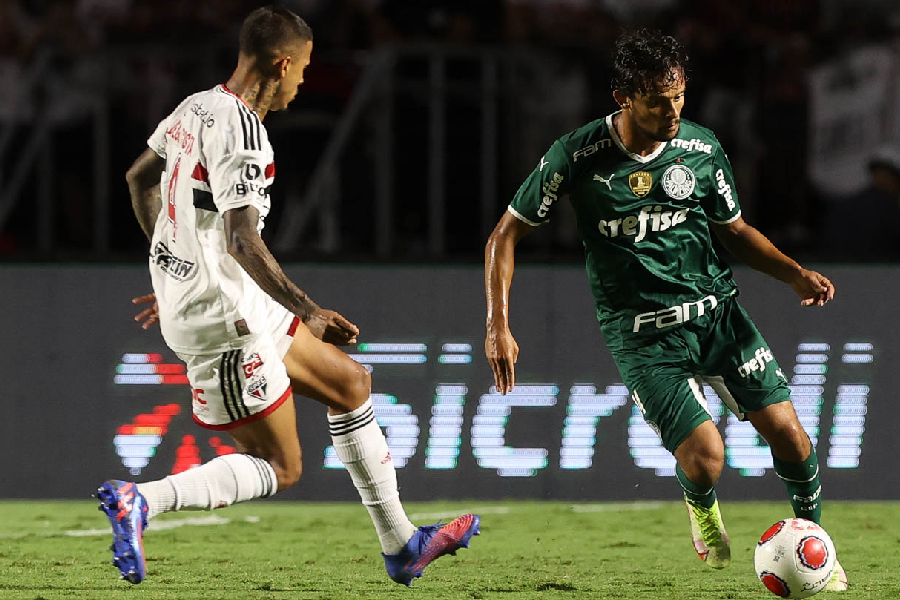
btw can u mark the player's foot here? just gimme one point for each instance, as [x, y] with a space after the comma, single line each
[127, 511]
[838, 581]
[708, 534]
[427, 544]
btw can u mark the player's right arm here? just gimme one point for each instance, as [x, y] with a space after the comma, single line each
[530, 207]
[250, 251]
[499, 262]
[143, 186]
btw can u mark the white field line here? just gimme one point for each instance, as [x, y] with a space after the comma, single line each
[579, 508]
[452, 514]
[160, 525]
[617, 506]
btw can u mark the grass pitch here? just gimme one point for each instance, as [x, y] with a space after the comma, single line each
[528, 550]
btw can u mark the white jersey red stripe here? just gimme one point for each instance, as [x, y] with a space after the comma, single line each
[218, 158]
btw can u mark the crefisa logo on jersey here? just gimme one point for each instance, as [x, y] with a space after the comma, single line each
[678, 181]
[640, 183]
[550, 188]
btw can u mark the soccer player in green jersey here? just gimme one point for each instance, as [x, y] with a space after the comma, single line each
[647, 187]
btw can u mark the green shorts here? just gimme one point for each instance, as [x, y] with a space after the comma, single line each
[725, 351]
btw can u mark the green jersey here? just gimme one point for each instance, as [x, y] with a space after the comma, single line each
[644, 222]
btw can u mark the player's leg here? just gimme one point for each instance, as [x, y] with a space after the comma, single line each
[796, 464]
[672, 403]
[245, 392]
[324, 373]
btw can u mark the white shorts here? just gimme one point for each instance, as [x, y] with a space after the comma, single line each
[242, 385]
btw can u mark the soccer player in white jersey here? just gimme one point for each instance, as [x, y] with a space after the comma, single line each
[250, 338]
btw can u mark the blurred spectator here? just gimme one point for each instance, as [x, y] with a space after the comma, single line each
[863, 228]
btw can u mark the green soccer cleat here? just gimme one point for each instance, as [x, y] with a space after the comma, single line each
[838, 581]
[708, 534]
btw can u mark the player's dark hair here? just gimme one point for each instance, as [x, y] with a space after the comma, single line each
[269, 29]
[645, 59]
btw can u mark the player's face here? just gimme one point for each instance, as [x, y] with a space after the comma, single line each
[658, 112]
[293, 77]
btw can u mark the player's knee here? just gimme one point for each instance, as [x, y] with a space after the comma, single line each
[791, 443]
[359, 387]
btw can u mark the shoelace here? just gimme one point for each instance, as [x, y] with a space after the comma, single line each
[709, 526]
[427, 532]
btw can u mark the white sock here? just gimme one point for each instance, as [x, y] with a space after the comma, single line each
[360, 444]
[221, 482]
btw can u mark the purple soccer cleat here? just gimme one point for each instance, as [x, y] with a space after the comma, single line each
[126, 509]
[429, 543]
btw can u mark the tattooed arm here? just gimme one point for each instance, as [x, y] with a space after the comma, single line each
[143, 184]
[250, 251]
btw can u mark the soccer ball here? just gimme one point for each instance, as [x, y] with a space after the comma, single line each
[794, 558]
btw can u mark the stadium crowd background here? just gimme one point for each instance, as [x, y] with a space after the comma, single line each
[83, 83]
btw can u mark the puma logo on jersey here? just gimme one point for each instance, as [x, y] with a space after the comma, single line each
[550, 188]
[760, 359]
[606, 181]
[652, 218]
[675, 315]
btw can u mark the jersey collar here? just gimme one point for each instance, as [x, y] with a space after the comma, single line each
[615, 138]
[225, 89]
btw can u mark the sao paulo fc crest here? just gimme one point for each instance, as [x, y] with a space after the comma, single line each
[678, 182]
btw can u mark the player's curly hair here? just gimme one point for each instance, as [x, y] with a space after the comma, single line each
[269, 29]
[645, 59]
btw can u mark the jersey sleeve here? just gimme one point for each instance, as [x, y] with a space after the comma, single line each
[157, 141]
[237, 165]
[721, 204]
[537, 195]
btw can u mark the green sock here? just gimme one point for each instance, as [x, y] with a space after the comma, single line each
[802, 483]
[697, 494]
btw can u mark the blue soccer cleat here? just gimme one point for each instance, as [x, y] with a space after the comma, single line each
[429, 543]
[127, 511]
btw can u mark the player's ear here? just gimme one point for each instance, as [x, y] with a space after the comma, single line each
[282, 65]
[620, 98]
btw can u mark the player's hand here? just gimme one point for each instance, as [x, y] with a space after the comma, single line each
[150, 315]
[502, 351]
[331, 327]
[813, 288]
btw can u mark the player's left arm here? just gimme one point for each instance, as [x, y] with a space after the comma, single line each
[143, 186]
[746, 243]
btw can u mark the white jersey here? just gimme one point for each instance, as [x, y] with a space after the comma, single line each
[218, 157]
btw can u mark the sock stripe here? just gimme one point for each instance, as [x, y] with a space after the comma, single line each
[783, 478]
[354, 428]
[339, 420]
[332, 426]
[263, 475]
[266, 469]
[351, 428]
[223, 387]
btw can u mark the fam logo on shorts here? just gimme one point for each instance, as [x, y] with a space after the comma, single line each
[251, 363]
[640, 183]
[678, 181]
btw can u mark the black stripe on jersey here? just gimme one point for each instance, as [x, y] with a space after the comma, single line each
[223, 374]
[255, 126]
[236, 378]
[247, 136]
[204, 200]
